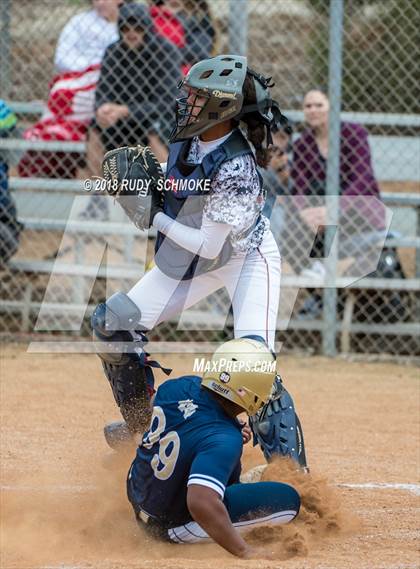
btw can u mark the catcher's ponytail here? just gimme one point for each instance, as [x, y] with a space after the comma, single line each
[256, 130]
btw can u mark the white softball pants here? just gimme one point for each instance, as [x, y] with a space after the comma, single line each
[252, 282]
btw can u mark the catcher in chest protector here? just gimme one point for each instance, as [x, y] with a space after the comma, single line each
[184, 483]
[210, 235]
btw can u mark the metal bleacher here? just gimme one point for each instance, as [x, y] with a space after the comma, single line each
[36, 196]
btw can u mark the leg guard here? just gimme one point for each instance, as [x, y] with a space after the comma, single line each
[277, 428]
[126, 364]
[132, 387]
[112, 323]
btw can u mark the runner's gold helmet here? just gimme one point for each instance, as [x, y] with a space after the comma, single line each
[243, 371]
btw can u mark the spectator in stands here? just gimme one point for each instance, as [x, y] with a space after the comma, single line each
[358, 216]
[70, 106]
[134, 97]
[86, 36]
[277, 177]
[187, 24]
[10, 228]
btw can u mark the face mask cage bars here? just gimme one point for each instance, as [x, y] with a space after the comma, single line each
[186, 109]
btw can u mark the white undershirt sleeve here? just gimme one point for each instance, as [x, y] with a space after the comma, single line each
[206, 241]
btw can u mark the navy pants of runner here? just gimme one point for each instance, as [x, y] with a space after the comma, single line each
[249, 505]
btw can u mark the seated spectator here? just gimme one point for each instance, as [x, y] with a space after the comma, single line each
[188, 25]
[358, 217]
[86, 36]
[10, 228]
[70, 107]
[134, 97]
[276, 178]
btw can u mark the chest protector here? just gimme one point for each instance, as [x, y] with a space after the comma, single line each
[185, 201]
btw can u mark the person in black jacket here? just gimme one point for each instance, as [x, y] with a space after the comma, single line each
[137, 85]
[139, 77]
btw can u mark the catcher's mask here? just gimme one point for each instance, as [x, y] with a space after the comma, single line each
[242, 371]
[213, 93]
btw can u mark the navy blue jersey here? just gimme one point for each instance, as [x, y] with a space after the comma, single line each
[191, 441]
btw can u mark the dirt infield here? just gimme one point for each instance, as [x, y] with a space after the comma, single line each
[63, 498]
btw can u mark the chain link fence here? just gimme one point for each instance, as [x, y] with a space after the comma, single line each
[85, 77]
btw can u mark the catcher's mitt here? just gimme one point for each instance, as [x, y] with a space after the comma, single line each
[132, 175]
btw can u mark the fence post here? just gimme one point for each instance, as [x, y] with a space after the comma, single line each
[418, 248]
[333, 171]
[5, 43]
[238, 27]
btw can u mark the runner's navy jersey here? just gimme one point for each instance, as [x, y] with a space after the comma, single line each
[191, 441]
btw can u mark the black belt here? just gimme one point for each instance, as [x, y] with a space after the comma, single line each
[144, 517]
[152, 525]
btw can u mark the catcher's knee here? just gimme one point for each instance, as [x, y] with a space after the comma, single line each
[119, 312]
[112, 322]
